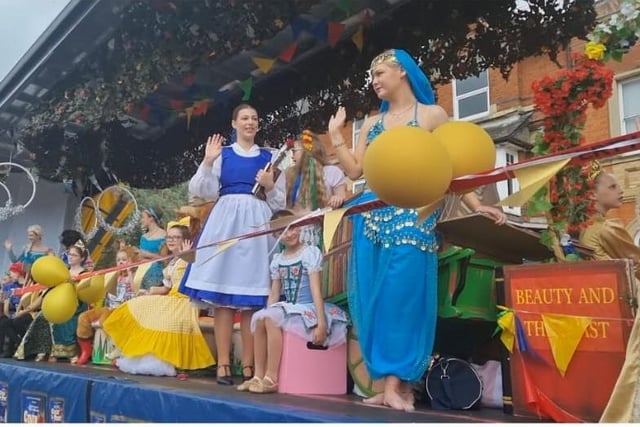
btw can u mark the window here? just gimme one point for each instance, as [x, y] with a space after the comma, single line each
[630, 105]
[507, 156]
[471, 97]
[359, 184]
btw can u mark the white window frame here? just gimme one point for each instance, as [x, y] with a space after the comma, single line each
[508, 155]
[457, 98]
[623, 125]
[359, 184]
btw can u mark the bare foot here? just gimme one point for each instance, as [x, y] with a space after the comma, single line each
[378, 399]
[407, 392]
[396, 400]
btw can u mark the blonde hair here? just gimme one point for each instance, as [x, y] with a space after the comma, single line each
[387, 57]
[35, 229]
[317, 155]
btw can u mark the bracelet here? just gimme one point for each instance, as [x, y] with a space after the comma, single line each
[341, 144]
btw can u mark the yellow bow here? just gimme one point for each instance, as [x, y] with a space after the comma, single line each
[186, 222]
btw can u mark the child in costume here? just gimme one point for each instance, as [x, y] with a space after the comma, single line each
[94, 318]
[159, 332]
[313, 184]
[296, 273]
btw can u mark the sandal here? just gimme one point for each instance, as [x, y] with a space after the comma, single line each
[40, 357]
[226, 378]
[251, 373]
[246, 385]
[267, 385]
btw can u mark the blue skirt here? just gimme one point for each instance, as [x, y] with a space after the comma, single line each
[392, 295]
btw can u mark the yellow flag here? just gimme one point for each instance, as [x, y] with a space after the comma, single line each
[221, 248]
[531, 179]
[564, 334]
[507, 322]
[358, 38]
[188, 112]
[330, 225]
[263, 64]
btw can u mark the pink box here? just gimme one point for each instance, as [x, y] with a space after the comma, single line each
[310, 371]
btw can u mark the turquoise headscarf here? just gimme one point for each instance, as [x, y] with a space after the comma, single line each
[420, 85]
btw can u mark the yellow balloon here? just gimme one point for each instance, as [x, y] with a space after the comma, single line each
[60, 303]
[407, 167]
[91, 290]
[470, 147]
[49, 271]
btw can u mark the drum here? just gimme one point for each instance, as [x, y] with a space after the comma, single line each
[102, 347]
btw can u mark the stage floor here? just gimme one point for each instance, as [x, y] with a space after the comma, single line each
[115, 396]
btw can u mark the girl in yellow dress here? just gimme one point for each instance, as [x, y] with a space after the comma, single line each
[159, 332]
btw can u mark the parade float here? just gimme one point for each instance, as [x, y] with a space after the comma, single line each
[482, 284]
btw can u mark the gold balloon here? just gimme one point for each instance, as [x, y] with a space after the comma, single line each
[407, 167]
[91, 290]
[470, 147]
[49, 271]
[60, 303]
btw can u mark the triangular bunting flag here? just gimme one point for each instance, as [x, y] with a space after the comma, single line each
[287, 54]
[531, 179]
[246, 86]
[335, 31]
[263, 64]
[221, 248]
[321, 30]
[200, 108]
[564, 334]
[366, 18]
[144, 113]
[507, 323]
[358, 39]
[330, 224]
[344, 6]
[299, 25]
[189, 113]
[176, 104]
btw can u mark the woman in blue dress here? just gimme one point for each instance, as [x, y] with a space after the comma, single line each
[394, 259]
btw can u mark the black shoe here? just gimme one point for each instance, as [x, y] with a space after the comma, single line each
[226, 378]
[251, 373]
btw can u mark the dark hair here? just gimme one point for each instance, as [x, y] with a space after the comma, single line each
[70, 237]
[183, 229]
[156, 214]
[282, 213]
[84, 254]
[240, 107]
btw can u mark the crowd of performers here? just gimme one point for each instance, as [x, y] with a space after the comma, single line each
[273, 282]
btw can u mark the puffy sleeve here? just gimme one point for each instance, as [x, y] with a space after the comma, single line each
[178, 272]
[333, 177]
[276, 197]
[274, 268]
[617, 243]
[312, 259]
[206, 182]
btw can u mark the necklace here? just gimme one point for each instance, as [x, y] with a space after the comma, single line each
[401, 112]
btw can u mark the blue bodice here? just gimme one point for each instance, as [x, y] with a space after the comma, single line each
[397, 226]
[238, 173]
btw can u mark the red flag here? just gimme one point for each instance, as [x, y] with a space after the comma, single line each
[287, 54]
[335, 31]
[176, 104]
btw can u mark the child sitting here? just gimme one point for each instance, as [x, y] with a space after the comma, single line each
[296, 273]
[91, 319]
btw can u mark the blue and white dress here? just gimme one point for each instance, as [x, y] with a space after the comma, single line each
[238, 277]
[392, 285]
[297, 313]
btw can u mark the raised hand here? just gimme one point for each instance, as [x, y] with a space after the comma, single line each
[8, 245]
[213, 149]
[336, 122]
